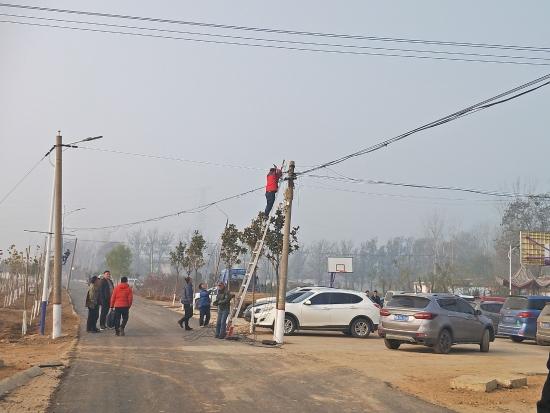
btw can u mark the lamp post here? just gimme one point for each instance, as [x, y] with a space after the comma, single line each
[510, 268]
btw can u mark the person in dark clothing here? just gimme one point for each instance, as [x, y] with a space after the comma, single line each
[271, 188]
[92, 302]
[376, 298]
[223, 301]
[121, 301]
[187, 301]
[106, 288]
[543, 405]
[204, 305]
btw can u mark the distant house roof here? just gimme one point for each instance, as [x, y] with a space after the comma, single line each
[524, 278]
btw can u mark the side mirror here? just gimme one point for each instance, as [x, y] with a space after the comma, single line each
[477, 312]
[307, 302]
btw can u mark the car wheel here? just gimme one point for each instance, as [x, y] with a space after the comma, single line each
[517, 339]
[290, 325]
[360, 328]
[392, 344]
[444, 342]
[485, 340]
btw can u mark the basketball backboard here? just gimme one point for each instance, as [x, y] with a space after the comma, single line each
[340, 264]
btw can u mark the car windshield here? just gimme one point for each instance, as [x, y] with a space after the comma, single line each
[516, 303]
[301, 297]
[408, 301]
[292, 296]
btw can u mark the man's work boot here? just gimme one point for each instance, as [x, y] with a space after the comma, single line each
[117, 332]
[122, 332]
[180, 322]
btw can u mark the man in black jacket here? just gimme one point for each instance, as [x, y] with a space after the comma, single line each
[106, 288]
[543, 405]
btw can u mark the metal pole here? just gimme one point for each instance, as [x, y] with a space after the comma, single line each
[72, 262]
[45, 286]
[57, 267]
[510, 269]
[26, 286]
[279, 331]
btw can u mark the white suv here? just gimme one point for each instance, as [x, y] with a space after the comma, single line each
[331, 309]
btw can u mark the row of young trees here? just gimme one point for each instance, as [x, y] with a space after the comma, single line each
[444, 258]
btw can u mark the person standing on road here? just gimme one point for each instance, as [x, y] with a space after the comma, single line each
[92, 302]
[368, 293]
[106, 288]
[223, 301]
[543, 405]
[271, 188]
[187, 297]
[204, 305]
[376, 298]
[121, 301]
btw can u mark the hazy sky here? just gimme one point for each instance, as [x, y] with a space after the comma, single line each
[254, 107]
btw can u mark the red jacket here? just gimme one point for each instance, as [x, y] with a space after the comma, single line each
[273, 180]
[122, 296]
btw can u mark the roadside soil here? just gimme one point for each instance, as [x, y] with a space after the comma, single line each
[419, 372]
[19, 353]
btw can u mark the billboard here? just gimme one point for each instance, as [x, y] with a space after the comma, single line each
[534, 248]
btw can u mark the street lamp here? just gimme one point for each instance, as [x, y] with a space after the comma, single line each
[510, 267]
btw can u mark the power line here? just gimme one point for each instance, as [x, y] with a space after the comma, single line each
[272, 46]
[282, 31]
[487, 103]
[435, 187]
[259, 39]
[425, 198]
[172, 158]
[197, 209]
[20, 181]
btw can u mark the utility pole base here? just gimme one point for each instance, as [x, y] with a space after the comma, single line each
[56, 332]
[279, 331]
[43, 306]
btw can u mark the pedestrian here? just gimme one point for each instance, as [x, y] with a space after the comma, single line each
[121, 301]
[223, 301]
[106, 288]
[92, 303]
[204, 305]
[368, 293]
[271, 188]
[543, 405]
[376, 298]
[187, 301]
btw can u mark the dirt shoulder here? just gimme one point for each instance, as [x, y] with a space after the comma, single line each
[19, 353]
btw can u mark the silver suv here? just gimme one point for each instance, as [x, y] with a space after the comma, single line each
[433, 320]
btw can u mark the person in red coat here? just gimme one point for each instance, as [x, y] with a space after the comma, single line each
[271, 188]
[121, 301]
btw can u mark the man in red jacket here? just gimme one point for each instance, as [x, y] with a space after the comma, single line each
[121, 301]
[271, 188]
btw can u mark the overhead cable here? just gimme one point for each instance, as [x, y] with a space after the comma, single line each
[284, 41]
[280, 47]
[280, 31]
[435, 187]
[487, 103]
[20, 181]
[195, 210]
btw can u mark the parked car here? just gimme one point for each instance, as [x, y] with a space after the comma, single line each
[543, 326]
[265, 302]
[519, 316]
[490, 309]
[326, 309]
[433, 320]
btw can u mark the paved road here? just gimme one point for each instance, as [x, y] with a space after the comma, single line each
[158, 367]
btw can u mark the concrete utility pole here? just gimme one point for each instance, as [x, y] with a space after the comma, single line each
[57, 266]
[279, 331]
[47, 265]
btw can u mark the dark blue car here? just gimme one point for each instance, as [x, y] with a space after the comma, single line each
[519, 316]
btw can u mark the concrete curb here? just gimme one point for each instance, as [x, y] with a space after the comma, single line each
[18, 379]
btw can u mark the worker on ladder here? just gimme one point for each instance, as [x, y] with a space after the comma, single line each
[271, 188]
